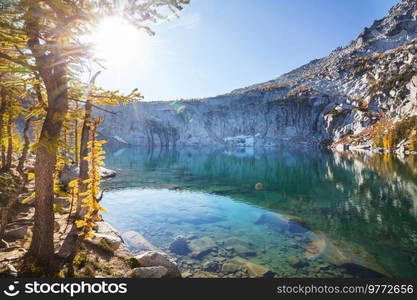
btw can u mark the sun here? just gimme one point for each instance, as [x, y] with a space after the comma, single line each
[119, 43]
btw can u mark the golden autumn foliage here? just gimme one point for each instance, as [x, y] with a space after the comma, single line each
[44, 59]
[389, 135]
[91, 196]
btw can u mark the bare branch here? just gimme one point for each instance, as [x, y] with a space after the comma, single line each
[95, 106]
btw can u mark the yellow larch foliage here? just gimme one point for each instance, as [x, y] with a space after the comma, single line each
[91, 196]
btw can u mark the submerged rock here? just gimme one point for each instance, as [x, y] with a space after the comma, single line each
[254, 270]
[272, 220]
[202, 246]
[180, 246]
[340, 253]
[154, 258]
[202, 218]
[211, 266]
[361, 271]
[282, 222]
[136, 241]
[231, 267]
[201, 274]
[296, 224]
[345, 254]
[296, 262]
[186, 274]
[242, 250]
[239, 247]
[315, 248]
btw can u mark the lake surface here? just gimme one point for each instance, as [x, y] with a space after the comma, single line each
[289, 212]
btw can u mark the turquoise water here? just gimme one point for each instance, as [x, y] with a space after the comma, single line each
[294, 213]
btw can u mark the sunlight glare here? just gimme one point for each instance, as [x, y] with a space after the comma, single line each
[119, 43]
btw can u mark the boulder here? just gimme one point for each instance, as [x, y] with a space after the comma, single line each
[150, 272]
[112, 241]
[180, 246]
[202, 246]
[107, 173]
[106, 228]
[154, 258]
[136, 241]
[68, 174]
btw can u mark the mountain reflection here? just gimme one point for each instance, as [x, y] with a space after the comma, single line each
[366, 201]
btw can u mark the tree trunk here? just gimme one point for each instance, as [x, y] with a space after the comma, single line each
[25, 149]
[2, 112]
[76, 151]
[65, 150]
[53, 72]
[9, 142]
[3, 156]
[76, 142]
[42, 246]
[85, 133]
[72, 242]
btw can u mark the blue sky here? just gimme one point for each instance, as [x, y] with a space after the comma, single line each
[217, 46]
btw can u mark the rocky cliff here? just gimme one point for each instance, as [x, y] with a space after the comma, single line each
[362, 95]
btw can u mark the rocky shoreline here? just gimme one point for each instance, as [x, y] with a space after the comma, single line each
[105, 255]
[369, 149]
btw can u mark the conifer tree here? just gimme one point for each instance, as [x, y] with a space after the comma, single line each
[42, 40]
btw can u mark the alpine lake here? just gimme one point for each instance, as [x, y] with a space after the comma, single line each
[283, 212]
